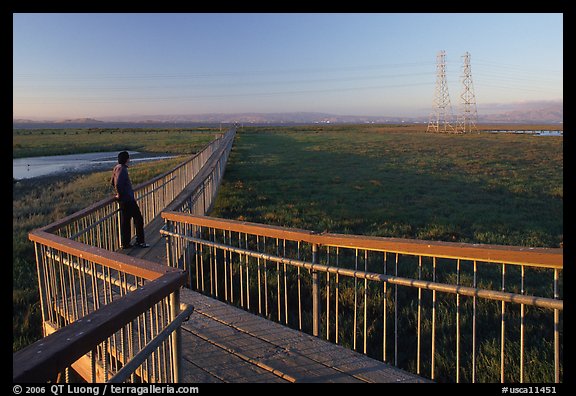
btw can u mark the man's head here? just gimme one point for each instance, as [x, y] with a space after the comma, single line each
[123, 157]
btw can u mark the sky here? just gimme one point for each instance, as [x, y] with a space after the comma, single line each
[73, 65]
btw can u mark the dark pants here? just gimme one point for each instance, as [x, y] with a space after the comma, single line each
[130, 210]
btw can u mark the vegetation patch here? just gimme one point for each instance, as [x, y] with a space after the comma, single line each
[398, 182]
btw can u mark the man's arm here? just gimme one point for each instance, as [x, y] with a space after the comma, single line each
[123, 183]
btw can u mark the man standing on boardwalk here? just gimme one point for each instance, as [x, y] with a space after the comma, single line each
[128, 207]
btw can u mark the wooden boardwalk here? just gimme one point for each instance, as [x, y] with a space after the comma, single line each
[222, 343]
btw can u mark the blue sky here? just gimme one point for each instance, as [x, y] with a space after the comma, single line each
[105, 65]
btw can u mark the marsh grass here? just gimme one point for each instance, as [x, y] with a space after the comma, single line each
[39, 142]
[482, 188]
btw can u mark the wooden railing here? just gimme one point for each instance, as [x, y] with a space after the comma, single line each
[108, 316]
[450, 311]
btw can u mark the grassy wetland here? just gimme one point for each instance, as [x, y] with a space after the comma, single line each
[397, 181]
[39, 201]
[381, 180]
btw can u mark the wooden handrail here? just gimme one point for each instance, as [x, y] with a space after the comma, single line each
[536, 257]
[41, 361]
[118, 261]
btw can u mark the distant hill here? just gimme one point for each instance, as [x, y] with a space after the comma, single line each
[252, 117]
[547, 114]
[68, 121]
[80, 121]
[529, 112]
[22, 121]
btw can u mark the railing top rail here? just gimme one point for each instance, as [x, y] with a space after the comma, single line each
[43, 360]
[537, 257]
[130, 265]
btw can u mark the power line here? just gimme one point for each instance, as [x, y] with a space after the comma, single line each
[229, 84]
[209, 96]
[148, 76]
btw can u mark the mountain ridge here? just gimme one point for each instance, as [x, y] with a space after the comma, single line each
[545, 113]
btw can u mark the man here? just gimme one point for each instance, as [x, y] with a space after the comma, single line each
[128, 207]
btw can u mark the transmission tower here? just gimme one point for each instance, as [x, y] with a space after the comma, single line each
[441, 117]
[467, 119]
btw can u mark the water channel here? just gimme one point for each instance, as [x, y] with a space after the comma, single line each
[529, 132]
[26, 168]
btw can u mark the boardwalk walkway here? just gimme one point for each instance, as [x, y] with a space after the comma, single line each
[222, 343]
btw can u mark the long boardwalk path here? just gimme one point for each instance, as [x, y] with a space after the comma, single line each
[222, 343]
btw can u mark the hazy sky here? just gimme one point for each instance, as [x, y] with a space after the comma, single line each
[97, 65]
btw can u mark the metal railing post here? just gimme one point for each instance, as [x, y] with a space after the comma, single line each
[176, 337]
[169, 257]
[119, 229]
[43, 291]
[315, 294]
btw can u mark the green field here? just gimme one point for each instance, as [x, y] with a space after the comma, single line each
[379, 180]
[39, 142]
